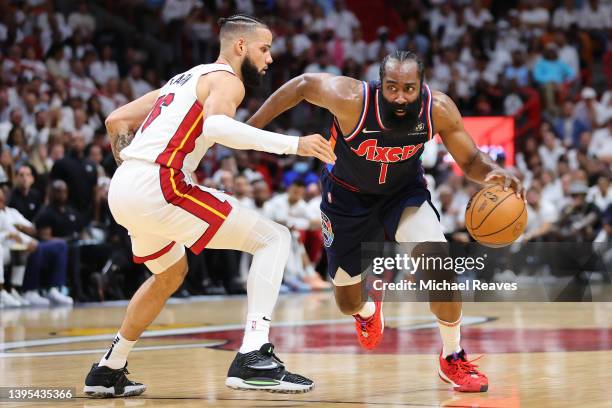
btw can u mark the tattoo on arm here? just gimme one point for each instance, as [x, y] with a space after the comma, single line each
[120, 142]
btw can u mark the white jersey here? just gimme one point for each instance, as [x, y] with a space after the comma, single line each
[171, 134]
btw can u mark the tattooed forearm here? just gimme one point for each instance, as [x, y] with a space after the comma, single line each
[119, 142]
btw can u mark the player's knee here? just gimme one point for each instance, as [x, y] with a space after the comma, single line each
[172, 278]
[283, 237]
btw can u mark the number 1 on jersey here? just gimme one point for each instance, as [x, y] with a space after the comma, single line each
[382, 178]
[163, 100]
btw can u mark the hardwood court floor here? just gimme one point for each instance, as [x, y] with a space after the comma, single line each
[537, 354]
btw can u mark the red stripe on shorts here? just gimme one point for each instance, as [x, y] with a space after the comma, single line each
[163, 251]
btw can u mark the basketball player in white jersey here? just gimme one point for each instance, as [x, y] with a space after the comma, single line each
[158, 141]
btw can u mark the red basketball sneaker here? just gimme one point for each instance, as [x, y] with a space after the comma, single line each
[370, 330]
[462, 374]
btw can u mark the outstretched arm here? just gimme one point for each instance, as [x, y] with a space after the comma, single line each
[221, 94]
[476, 165]
[340, 95]
[123, 122]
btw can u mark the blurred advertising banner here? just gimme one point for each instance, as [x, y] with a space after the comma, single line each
[493, 135]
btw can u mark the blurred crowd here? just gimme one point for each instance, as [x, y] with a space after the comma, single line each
[65, 65]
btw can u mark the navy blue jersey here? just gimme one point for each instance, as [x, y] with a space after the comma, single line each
[373, 159]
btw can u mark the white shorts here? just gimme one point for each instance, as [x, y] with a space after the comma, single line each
[164, 212]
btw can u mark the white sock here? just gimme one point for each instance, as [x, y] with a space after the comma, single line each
[255, 333]
[367, 310]
[117, 354]
[451, 336]
[18, 273]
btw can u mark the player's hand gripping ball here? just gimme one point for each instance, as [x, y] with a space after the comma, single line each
[495, 217]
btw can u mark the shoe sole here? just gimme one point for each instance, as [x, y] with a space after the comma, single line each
[282, 387]
[98, 391]
[443, 377]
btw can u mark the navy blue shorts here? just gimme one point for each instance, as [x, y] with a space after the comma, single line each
[350, 218]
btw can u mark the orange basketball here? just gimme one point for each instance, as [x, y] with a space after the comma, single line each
[495, 217]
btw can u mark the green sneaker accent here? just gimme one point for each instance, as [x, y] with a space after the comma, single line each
[261, 382]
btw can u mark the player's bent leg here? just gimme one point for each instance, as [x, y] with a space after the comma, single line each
[421, 224]
[108, 377]
[368, 314]
[151, 297]
[256, 367]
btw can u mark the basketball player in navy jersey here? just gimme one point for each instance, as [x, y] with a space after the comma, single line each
[376, 185]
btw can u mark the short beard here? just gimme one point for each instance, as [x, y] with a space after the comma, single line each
[406, 122]
[251, 77]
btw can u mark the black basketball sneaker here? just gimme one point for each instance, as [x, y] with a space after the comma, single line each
[262, 370]
[104, 382]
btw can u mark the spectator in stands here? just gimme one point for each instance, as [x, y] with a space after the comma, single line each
[81, 85]
[579, 220]
[15, 121]
[595, 16]
[567, 52]
[342, 20]
[57, 63]
[95, 114]
[24, 198]
[441, 17]
[541, 216]
[476, 16]
[137, 83]
[381, 46]
[38, 132]
[301, 170]
[356, 50]
[550, 150]
[517, 71]
[534, 16]
[17, 234]
[105, 68]
[568, 126]
[261, 193]
[80, 175]
[412, 39]
[243, 191]
[551, 73]
[590, 111]
[82, 20]
[16, 141]
[173, 14]
[601, 193]
[566, 15]
[601, 143]
[59, 220]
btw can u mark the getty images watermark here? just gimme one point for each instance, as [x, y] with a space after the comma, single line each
[405, 264]
[523, 271]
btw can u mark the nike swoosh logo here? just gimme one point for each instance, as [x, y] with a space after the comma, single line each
[370, 131]
[266, 367]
